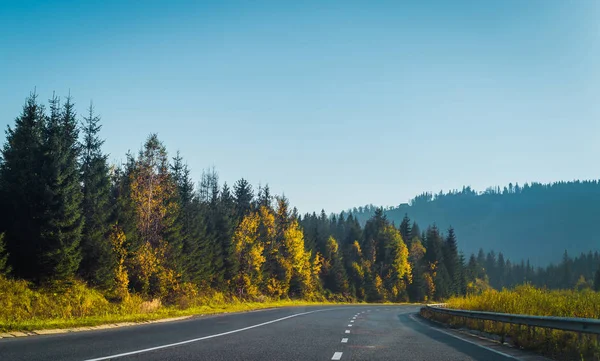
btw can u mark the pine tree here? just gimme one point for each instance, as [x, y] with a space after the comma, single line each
[63, 220]
[265, 199]
[22, 190]
[451, 261]
[243, 197]
[405, 229]
[98, 259]
[193, 229]
[224, 264]
[415, 231]
[124, 208]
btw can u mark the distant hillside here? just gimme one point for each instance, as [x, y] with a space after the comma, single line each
[535, 221]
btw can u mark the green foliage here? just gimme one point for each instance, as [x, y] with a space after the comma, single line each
[98, 259]
[22, 189]
[63, 219]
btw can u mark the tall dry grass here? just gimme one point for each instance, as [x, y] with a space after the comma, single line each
[529, 300]
[25, 308]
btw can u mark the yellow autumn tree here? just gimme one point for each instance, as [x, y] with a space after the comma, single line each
[302, 278]
[248, 253]
[153, 194]
[276, 269]
[398, 273]
[117, 239]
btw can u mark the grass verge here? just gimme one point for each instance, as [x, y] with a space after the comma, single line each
[23, 308]
[561, 345]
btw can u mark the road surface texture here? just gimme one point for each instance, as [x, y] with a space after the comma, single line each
[369, 332]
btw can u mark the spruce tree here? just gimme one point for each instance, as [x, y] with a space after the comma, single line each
[243, 198]
[451, 261]
[192, 226]
[22, 189]
[63, 220]
[406, 230]
[98, 259]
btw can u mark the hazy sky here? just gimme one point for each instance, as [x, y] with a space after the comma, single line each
[335, 103]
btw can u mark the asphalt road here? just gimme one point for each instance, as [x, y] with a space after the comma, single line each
[370, 332]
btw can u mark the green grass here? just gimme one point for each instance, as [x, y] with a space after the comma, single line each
[23, 308]
[532, 301]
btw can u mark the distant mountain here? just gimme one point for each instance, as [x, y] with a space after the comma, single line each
[536, 221]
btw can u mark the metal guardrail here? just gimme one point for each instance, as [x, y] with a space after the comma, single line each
[583, 325]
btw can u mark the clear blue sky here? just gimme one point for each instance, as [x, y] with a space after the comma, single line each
[335, 103]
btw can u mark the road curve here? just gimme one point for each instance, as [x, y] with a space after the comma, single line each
[369, 332]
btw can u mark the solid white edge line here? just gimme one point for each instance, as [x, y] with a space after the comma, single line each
[347, 331]
[344, 340]
[465, 340]
[337, 356]
[201, 338]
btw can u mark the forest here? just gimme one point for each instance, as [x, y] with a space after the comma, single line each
[146, 229]
[516, 219]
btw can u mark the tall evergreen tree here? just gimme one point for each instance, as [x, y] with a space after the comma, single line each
[243, 197]
[193, 228]
[98, 259]
[62, 220]
[406, 230]
[451, 261]
[22, 189]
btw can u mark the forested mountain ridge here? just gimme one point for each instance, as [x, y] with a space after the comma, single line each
[534, 221]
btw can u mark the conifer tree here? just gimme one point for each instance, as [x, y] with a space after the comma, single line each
[193, 229]
[98, 259]
[243, 196]
[405, 229]
[451, 261]
[22, 190]
[62, 222]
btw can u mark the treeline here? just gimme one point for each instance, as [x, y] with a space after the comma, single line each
[144, 228]
[578, 273]
[531, 221]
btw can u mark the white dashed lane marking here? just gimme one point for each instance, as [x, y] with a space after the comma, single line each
[349, 325]
[337, 356]
[351, 321]
[344, 340]
[347, 331]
